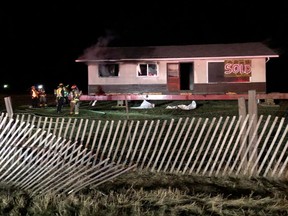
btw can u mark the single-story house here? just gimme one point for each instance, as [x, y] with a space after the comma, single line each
[169, 70]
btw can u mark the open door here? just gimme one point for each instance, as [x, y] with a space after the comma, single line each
[173, 77]
[180, 76]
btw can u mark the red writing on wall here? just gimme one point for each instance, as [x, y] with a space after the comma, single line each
[237, 68]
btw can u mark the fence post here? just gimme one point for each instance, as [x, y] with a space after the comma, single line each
[252, 110]
[243, 112]
[8, 106]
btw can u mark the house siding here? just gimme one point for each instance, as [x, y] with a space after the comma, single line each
[128, 82]
[193, 68]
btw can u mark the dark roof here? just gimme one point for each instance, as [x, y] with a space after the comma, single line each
[252, 49]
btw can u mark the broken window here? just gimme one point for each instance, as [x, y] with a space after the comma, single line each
[108, 70]
[147, 70]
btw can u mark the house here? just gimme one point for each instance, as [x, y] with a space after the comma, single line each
[172, 70]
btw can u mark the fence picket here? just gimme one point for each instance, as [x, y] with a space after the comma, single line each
[107, 141]
[242, 143]
[276, 150]
[189, 144]
[144, 143]
[271, 146]
[182, 145]
[169, 145]
[129, 150]
[150, 145]
[138, 143]
[155, 147]
[119, 141]
[283, 151]
[254, 152]
[162, 146]
[195, 145]
[113, 140]
[214, 148]
[128, 137]
[90, 134]
[176, 144]
[207, 147]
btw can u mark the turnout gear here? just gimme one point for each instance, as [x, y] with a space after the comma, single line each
[42, 97]
[74, 97]
[34, 96]
[60, 97]
[60, 92]
[66, 94]
[34, 92]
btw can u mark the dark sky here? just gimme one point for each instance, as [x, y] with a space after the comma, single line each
[41, 41]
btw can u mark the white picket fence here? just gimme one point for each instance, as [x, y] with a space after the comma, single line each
[224, 146]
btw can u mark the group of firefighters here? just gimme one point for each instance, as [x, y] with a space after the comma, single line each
[63, 96]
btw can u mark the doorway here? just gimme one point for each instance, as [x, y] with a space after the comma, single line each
[186, 76]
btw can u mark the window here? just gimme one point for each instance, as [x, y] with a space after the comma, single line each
[108, 70]
[216, 74]
[147, 70]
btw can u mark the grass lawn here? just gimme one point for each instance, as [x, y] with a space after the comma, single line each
[110, 110]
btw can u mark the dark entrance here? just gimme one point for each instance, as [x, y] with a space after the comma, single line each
[186, 76]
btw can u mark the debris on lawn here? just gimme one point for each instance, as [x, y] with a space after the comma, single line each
[191, 106]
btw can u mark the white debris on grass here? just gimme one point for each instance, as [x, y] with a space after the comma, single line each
[191, 106]
[145, 105]
[94, 102]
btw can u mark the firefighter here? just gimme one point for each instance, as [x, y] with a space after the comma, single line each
[74, 97]
[60, 97]
[42, 96]
[34, 96]
[66, 94]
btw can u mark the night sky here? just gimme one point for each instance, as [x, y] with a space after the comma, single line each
[40, 42]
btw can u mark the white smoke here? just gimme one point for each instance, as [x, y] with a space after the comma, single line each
[103, 41]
